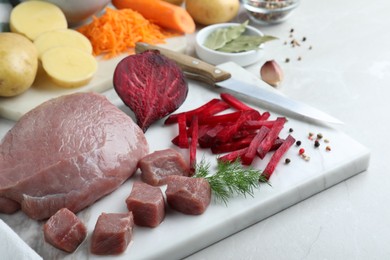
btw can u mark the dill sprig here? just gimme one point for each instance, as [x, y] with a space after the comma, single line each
[230, 179]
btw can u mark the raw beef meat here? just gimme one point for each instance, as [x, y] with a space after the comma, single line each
[112, 234]
[147, 204]
[64, 230]
[156, 166]
[68, 153]
[188, 195]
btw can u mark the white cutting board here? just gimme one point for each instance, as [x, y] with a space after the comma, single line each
[180, 235]
[43, 89]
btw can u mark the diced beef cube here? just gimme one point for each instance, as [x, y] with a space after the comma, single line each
[112, 234]
[64, 230]
[156, 166]
[147, 204]
[188, 195]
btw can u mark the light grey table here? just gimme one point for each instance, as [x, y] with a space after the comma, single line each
[347, 74]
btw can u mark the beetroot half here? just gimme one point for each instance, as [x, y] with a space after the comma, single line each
[151, 85]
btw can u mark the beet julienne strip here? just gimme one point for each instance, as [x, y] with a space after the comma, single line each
[265, 115]
[248, 157]
[257, 124]
[277, 155]
[183, 137]
[268, 141]
[219, 119]
[243, 133]
[234, 102]
[230, 130]
[194, 142]
[277, 143]
[233, 145]
[173, 118]
[227, 132]
[208, 138]
[233, 156]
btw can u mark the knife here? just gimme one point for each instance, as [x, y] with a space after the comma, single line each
[199, 70]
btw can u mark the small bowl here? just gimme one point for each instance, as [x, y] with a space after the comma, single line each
[78, 11]
[217, 57]
[266, 12]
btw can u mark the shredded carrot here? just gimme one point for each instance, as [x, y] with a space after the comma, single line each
[117, 31]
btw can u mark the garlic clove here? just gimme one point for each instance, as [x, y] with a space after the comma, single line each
[271, 73]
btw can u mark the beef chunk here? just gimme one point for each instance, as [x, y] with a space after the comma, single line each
[64, 230]
[147, 204]
[156, 166]
[112, 234]
[188, 195]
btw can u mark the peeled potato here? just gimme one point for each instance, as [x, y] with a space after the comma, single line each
[32, 18]
[69, 67]
[62, 37]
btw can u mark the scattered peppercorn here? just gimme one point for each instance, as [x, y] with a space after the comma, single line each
[316, 143]
[304, 39]
[326, 140]
[301, 151]
[319, 136]
[298, 143]
[327, 148]
[291, 130]
[287, 161]
[287, 60]
[291, 30]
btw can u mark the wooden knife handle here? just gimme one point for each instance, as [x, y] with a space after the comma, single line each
[192, 67]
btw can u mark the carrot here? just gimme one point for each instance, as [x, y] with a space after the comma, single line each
[117, 31]
[162, 13]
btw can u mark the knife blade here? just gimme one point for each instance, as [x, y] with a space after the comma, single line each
[199, 70]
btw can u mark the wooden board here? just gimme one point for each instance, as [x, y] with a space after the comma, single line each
[43, 89]
[180, 235]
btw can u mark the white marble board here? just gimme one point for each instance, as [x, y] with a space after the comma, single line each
[180, 235]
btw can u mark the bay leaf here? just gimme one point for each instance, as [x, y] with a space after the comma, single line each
[245, 43]
[220, 37]
[217, 39]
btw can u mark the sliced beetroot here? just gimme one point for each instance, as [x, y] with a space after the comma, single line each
[234, 156]
[220, 119]
[182, 140]
[233, 145]
[266, 145]
[269, 169]
[248, 157]
[151, 85]
[194, 143]
[234, 102]
[174, 118]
